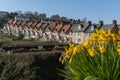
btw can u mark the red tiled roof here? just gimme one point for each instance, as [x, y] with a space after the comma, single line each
[66, 28]
[29, 23]
[52, 26]
[44, 25]
[18, 22]
[23, 23]
[34, 24]
[74, 26]
[10, 21]
[38, 25]
[14, 22]
[59, 27]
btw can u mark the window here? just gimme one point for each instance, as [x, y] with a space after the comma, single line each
[78, 34]
[90, 34]
[86, 34]
[79, 40]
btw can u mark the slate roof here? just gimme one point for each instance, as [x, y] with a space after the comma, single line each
[107, 26]
[83, 28]
[92, 28]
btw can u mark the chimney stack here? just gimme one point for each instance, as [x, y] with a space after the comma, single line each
[89, 23]
[114, 22]
[101, 23]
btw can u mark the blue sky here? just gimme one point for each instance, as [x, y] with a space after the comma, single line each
[93, 10]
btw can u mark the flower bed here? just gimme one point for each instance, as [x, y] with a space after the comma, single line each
[96, 59]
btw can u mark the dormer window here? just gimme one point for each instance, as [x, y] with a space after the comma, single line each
[79, 26]
[44, 34]
[65, 39]
[57, 37]
[50, 36]
[31, 33]
[27, 32]
[93, 27]
[36, 33]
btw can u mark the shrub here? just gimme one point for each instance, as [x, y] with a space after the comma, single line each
[37, 66]
[96, 59]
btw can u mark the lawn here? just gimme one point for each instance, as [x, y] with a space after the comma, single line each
[5, 38]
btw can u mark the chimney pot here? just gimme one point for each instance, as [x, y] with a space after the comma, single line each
[89, 23]
[114, 22]
[101, 23]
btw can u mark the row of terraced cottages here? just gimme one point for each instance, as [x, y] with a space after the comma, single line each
[62, 32]
[40, 30]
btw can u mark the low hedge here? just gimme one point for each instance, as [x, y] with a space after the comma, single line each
[37, 66]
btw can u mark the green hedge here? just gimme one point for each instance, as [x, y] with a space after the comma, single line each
[37, 66]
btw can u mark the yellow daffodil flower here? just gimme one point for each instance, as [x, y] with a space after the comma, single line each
[92, 52]
[70, 61]
[102, 50]
[118, 48]
[75, 51]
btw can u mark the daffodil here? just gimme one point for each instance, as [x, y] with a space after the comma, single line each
[67, 55]
[70, 60]
[79, 48]
[94, 39]
[118, 48]
[114, 37]
[92, 52]
[86, 44]
[118, 32]
[107, 36]
[101, 31]
[75, 51]
[102, 40]
[102, 50]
